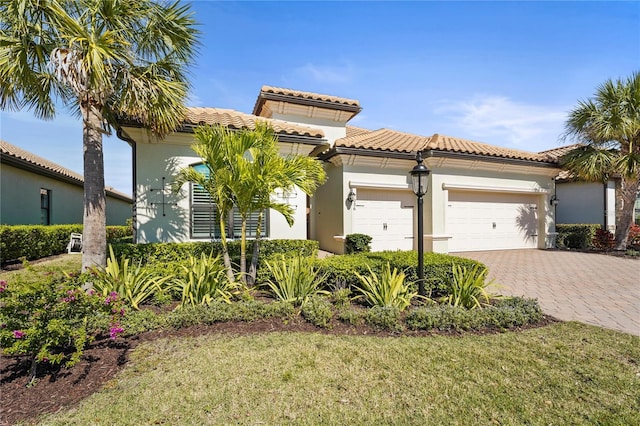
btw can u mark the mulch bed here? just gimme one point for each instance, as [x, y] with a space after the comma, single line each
[61, 388]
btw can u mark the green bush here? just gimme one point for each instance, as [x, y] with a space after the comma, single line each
[357, 243]
[52, 322]
[385, 289]
[295, 279]
[503, 314]
[204, 279]
[341, 270]
[220, 311]
[384, 318]
[318, 311]
[576, 236]
[468, 288]
[37, 241]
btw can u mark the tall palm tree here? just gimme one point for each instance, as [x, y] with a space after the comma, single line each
[245, 169]
[608, 126]
[102, 59]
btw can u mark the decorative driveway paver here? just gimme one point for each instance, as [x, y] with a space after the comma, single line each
[587, 287]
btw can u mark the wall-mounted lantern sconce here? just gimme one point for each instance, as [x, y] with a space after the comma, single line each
[352, 196]
[554, 200]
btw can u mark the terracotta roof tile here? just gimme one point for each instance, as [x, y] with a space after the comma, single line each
[18, 153]
[560, 151]
[453, 144]
[240, 120]
[309, 95]
[384, 140]
[355, 131]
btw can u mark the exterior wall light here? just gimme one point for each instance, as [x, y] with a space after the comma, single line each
[352, 196]
[554, 200]
[420, 185]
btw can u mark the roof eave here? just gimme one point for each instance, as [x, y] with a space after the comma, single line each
[319, 103]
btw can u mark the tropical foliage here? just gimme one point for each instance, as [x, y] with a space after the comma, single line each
[101, 59]
[608, 129]
[295, 279]
[388, 289]
[468, 288]
[204, 281]
[245, 169]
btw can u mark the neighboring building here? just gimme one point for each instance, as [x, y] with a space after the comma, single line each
[583, 202]
[481, 197]
[35, 191]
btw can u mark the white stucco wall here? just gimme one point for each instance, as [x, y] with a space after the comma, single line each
[584, 202]
[156, 160]
[327, 211]
[332, 129]
[20, 200]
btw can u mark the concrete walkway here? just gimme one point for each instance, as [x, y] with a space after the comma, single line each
[587, 287]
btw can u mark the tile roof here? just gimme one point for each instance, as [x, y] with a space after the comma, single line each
[560, 151]
[309, 95]
[384, 140]
[240, 120]
[395, 141]
[18, 153]
[452, 144]
[355, 131]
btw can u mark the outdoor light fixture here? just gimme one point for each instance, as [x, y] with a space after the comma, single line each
[554, 200]
[420, 185]
[352, 196]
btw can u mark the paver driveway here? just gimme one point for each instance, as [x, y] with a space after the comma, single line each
[587, 287]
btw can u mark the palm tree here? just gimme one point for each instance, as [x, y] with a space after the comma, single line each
[608, 126]
[102, 59]
[245, 169]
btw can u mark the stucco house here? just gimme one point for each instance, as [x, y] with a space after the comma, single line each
[36, 191]
[480, 197]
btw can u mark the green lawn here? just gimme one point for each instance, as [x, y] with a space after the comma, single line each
[562, 374]
[35, 271]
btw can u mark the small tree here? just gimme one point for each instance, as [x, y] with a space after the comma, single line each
[608, 126]
[101, 58]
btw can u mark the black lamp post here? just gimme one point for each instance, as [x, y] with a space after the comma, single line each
[420, 184]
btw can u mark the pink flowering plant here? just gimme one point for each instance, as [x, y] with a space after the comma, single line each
[53, 322]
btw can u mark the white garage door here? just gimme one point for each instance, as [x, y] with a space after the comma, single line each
[491, 221]
[386, 216]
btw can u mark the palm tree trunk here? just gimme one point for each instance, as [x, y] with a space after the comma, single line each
[94, 240]
[225, 250]
[243, 250]
[624, 219]
[253, 270]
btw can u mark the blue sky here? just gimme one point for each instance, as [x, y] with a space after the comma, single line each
[504, 73]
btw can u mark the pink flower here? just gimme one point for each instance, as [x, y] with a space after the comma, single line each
[115, 330]
[3, 285]
[18, 334]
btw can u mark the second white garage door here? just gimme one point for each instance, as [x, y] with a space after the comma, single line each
[386, 216]
[491, 221]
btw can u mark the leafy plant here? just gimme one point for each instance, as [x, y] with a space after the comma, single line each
[634, 237]
[468, 287]
[295, 279]
[357, 243]
[387, 289]
[341, 297]
[53, 321]
[384, 317]
[604, 239]
[135, 284]
[318, 311]
[204, 281]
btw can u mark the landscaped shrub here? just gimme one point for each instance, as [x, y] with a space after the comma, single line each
[576, 236]
[351, 316]
[503, 314]
[634, 237]
[318, 311]
[219, 311]
[52, 322]
[384, 318]
[385, 289]
[133, 283]
[295, 279]
[204, 280]
[38, 241]
[341, 270]
[341, 297]
[357, 243]
[468, 288]
[603, 239]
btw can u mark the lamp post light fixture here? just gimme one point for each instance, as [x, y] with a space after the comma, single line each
[420, 184]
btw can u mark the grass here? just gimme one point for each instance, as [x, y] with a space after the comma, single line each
[567, 373]
[34, 272]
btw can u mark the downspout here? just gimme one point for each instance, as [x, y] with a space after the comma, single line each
[134, 224]
[606, 207]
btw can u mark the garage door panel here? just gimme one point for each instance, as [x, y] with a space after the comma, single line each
[386, 216]
[488, 221]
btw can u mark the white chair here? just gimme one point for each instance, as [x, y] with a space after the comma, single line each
[75, 243]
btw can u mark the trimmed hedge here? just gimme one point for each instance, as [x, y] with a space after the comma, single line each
[341, 270]
[576, 236]
[178, 252]
[38, 241]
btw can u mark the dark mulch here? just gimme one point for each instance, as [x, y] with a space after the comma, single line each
[60, 389]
